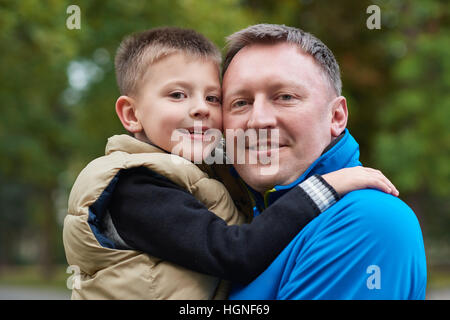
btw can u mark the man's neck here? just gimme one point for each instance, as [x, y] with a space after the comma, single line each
[333, 142]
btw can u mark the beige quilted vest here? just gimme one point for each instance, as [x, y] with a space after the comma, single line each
[127, 274]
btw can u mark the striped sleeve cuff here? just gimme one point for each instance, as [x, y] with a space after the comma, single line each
[320, 192]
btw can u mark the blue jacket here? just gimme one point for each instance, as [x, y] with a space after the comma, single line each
[367, 246]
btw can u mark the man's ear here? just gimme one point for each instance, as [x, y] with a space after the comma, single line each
[126, 110]
[339, 116]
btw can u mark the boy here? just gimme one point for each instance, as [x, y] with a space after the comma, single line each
[135, 203]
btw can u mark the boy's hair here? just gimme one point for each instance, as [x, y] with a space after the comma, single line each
[139, 50]
[272, 33]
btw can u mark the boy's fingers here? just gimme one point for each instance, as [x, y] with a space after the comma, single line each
[391, 187]
[388, 187]
[377, 181]
[385, 187]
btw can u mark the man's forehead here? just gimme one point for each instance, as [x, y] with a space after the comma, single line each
[271, 64]
[277, 50]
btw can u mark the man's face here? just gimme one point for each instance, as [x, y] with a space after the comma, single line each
[277, 86]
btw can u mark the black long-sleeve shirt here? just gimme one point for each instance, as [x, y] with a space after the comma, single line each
[154, 215]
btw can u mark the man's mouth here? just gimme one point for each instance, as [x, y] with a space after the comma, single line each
[264, 150]
[264, 146]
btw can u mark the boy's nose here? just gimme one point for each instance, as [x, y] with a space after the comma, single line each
[200, 110]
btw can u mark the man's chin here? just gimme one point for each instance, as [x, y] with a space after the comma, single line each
[259, 177]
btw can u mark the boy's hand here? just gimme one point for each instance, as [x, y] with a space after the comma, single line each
[349, 179]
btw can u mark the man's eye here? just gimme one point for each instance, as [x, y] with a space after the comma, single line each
[213, 99]
[177, 95]
[285, 97]
[239, 104]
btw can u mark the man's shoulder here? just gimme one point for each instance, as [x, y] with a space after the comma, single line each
[380, 217]
[365, 228]
[375, 207]
[365, 212]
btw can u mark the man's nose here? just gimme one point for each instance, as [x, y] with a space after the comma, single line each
[262, 115]
[199, 109]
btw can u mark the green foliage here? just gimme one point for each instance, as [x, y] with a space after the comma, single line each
[414, 139]
[53, 122]
[58, 93]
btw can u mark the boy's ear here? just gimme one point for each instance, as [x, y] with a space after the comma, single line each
[126, 110]
[339, 116]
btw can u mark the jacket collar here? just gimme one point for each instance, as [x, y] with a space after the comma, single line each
[343, 154]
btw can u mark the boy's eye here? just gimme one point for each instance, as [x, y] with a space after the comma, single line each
[213, 99]
[177, 95]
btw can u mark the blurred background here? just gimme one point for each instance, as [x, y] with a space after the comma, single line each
[58, 91]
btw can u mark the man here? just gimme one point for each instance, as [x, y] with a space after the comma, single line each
[369, 245]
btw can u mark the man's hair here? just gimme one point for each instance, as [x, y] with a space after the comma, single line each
[139, 50]
[272, 33]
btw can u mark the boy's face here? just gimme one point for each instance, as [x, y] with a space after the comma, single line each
[178, 101]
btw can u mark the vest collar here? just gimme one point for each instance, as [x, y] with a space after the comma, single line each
[128, 144]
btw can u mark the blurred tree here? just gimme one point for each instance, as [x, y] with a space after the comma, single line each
[58, 93]
[397, 82]
[33, 125]
[413, 136]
